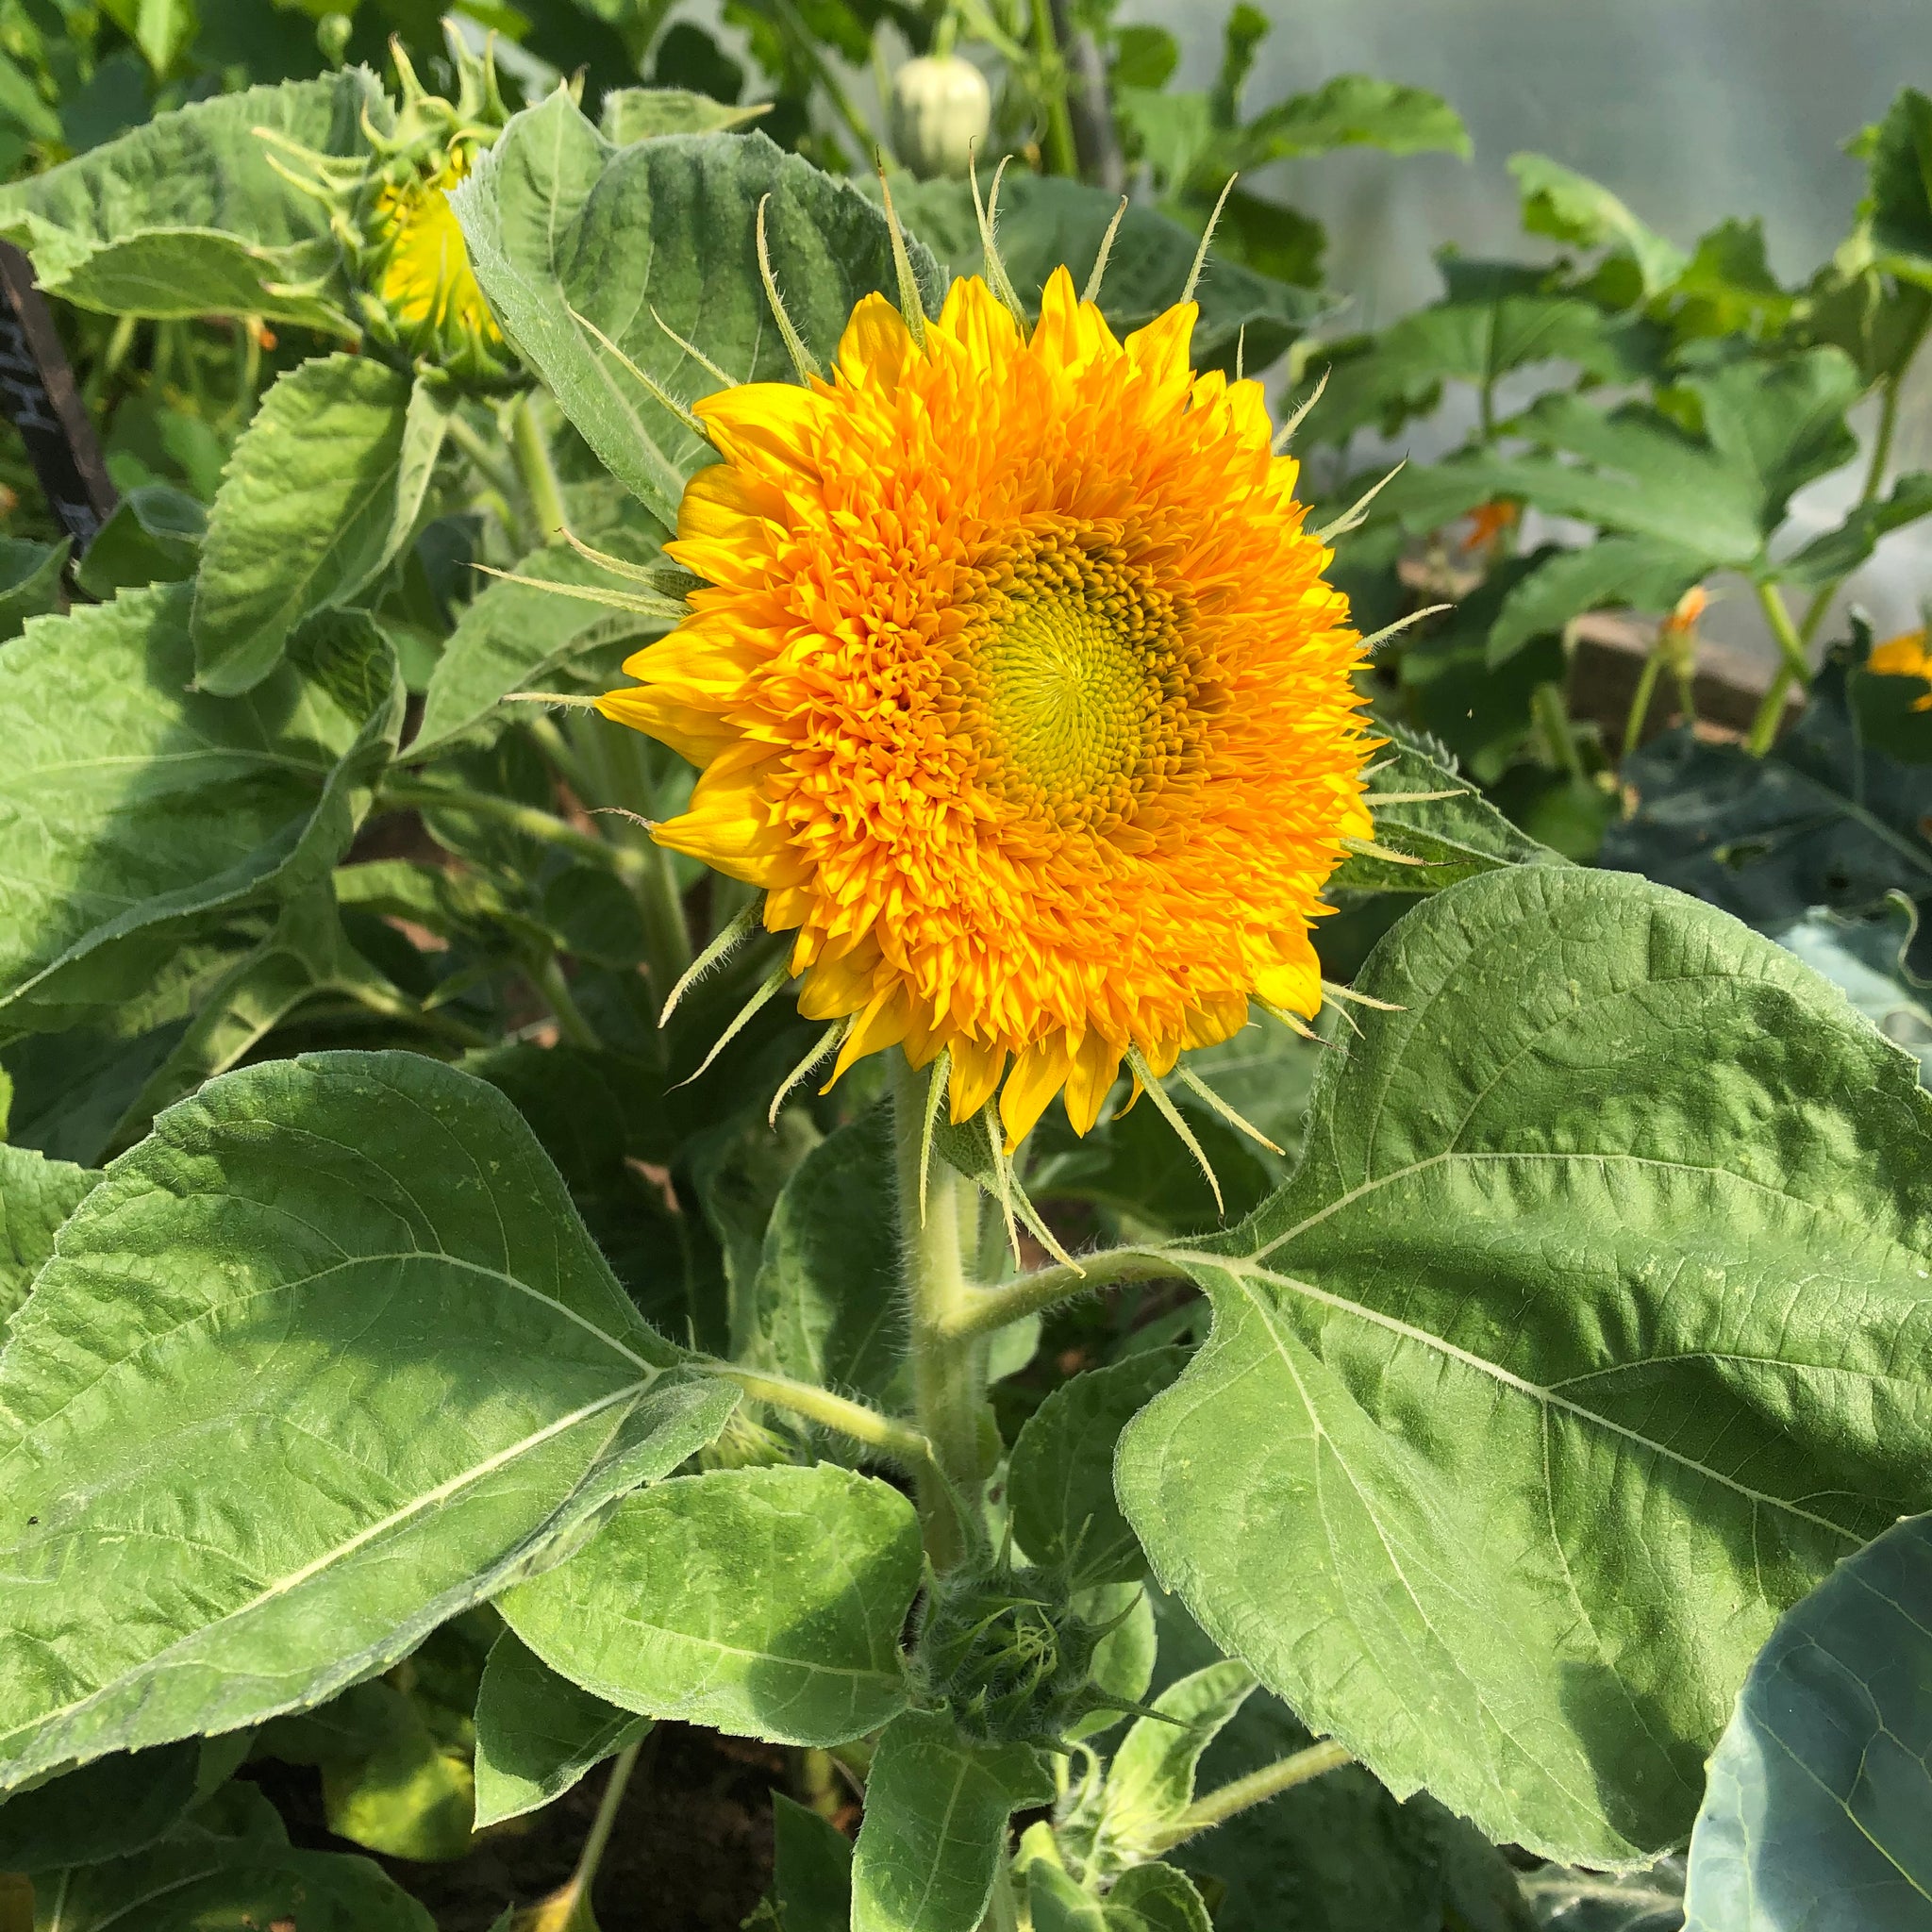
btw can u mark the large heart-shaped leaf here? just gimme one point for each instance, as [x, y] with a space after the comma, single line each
[324, 1361]
[1819, 1813]
[766, 1602]
[594, 256]
[1587, 1338]
[135, 809]
[186, 215]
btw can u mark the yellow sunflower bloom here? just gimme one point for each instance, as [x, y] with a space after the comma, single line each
[1018, 688]
[1904, 656]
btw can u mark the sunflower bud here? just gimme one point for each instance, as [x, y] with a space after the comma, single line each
[1006, 1652]
[942, 110]
[402, 246]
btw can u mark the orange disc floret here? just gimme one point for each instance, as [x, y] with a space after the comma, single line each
[1018, 688]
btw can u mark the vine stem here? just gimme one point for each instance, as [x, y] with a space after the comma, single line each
[948, 1362]
[1218, 1806]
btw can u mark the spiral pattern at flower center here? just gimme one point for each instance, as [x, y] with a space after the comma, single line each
[1081, 683]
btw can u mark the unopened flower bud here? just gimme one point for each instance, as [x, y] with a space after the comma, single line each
[942, 110]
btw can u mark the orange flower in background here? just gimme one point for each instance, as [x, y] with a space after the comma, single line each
[1019, 690]
[1904, 655]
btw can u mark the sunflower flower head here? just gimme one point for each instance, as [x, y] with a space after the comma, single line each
[1017, 685]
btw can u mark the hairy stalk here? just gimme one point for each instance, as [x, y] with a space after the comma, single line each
[536, 471]
[1218, 1806]
[490, 464]
[948, 1367]
[847, 1418]
[980, 1311]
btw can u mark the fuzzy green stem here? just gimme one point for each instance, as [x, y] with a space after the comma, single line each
[526, 820]
[1218, 1806]
[947, 1366]
[850, 1418]
[536, 471]
[1050, 76]
[981, 1310]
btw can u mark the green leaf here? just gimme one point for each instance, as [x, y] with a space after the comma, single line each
[1835, 554]
[199, 1882]
[1046, 223]
[513, 637]
[561, 224]
[29, 581]
[1336, 1853]
[538, 1733]
[936, 1811]
[1495, 321]
[140, 810]
[1455, 838]
[1057, 1903]
[827, 1300]
[811, 1870]
[1628, 573]
[103, 1810]
[573, 1102]
[184, 216]
[1819, 1790]
[1355, 111]
[767, 1603]
[323, 1361]
[1770, 428]
[1901, 168]
[389, 1782]
[1568, 207]
[1865, 959]
[1061, 1480]
[306, 956]
[36, 1196]
[320, 493]
[1151, 1780]
[629, 114]
[153, 536]
[1156, 1898]
[1827, 817]
[1577, 1350]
